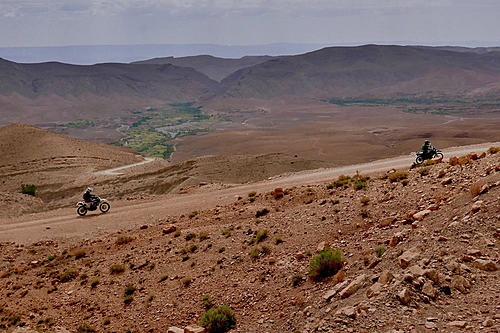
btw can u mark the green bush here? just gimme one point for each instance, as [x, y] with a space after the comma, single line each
[85, 329]
[380, 251]
[359, 185]
[261, 235]
[29, 189]
[218, 320]
[327, 263]
[207, 301]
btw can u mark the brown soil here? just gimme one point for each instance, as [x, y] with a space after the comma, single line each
[451, 243]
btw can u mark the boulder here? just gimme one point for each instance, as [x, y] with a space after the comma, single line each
[416, 271]
[169, 229]
[332, 292]
[349, 311]
[408, 256]
[174, 329]
[387, 221]
[194, 329]
[374, 290]
[429, 290]
[433, 275]
[477, 206]
[353, 286]
[404, 296]
[385, 277]
[485, 265]
[396, 238]
[460, 283]
[420, 215]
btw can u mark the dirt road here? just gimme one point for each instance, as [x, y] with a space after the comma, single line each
[65, 226]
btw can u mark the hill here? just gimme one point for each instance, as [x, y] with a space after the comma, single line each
[418, 252]
[49, 160]
[370, 71]
[213, 67]
[57, 92]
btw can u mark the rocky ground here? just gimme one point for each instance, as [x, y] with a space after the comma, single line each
[420, 249]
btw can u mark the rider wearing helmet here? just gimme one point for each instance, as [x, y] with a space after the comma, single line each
[88, 196]
[426, 147]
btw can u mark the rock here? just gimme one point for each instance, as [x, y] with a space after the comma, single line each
[299, 255]
[385, 277]
[194, 329]
[174, 329]
[433, 275]
[429, 290]
[387, 221]
[446, 181]
[321, 246]
[458, 323]
[408, 256]
[488, 322]
[430, 325]
[349, 311]
[485, 265]
[420, 215]
[169, 229]
[477, 206]
[484, 189]
[396, 238]
[353, 286]
[416, 270]
[374, 290]
[144, 226]
[474, 252]
[460, 283]
[59, 329]
[332, 292]
[375, 263]
[26, 329]
[404, 296]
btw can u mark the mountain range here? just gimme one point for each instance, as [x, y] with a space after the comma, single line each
[370, 71]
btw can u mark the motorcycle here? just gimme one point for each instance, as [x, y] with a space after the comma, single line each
[83, 206]
[433, 153]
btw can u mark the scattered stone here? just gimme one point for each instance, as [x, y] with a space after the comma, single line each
[387, 221]
[194, 329]
[460, 283]
[144, 226]
[430, 325]
[429, 290]
[457, 323]
[408, 256]
[299, 255]
[174, 329]
[485, 265]
[353, 286]
[349, 311]
[385, 277]
[420, 215]
[416, 270]
[477, 206]
[404, 296]
[433, 275]
[332, 292]
[169, 229]
[488, 322]
[23, 330]
[374, 290]
[396, 238]
[446, 181]
[321, 246]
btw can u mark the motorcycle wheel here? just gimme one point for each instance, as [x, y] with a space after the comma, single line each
[104, 207]
[81, 210]
[440, 155]
[419, 160]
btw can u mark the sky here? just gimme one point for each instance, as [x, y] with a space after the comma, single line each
[247, 22]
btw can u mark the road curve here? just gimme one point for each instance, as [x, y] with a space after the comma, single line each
[65, 226]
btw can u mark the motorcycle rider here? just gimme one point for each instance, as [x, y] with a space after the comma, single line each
[426, 147]
[89, 197]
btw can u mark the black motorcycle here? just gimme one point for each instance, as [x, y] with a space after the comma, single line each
[429, 155]
[83, 206]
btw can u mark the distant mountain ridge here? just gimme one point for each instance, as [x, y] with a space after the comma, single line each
[214, 67]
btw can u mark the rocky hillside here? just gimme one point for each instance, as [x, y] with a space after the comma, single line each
[418, 249]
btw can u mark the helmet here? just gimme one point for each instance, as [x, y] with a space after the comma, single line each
[427, 142]
[89, 189]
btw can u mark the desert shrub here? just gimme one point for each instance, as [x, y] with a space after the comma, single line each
[177, 233]
[254, 254]
[359, 185]
[190, 236]
[342, 181]
[29, 189]
[222, 249]
[397, 176]
[424, 172]
[164, 277]
[207, 301]
[364, 213]
[106, 321]
[252, 194]
[193, 214]
[379, 251]
[203, 236]
[405, 182]
[117, 269]
[123, 240]
[128, 299]
[278, 193]
[262, 212]
[453, 161]
[493, 150]
[330, 186]
[67, 275]
[364, 200]
[192, 248]
[79, 253]
[278, 241]
[85, 328]
[227, 232]
[94, 282]
[129, 290]
[297, 280]
[186, 281]
[261, 235]
[328, 262]
[265, 249]
[218, 320]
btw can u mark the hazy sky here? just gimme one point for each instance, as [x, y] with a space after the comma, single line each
[89, 22]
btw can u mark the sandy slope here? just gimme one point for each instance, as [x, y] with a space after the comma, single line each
[64, 225]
